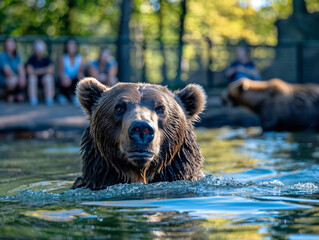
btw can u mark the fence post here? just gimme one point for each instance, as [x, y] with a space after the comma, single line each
[144, 47]
[299, 60]
[49, 44]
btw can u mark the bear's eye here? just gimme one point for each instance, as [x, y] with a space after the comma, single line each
[160, 109]
[119, 109]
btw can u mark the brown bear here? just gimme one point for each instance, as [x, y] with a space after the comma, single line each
[281, 106]
[139, 133]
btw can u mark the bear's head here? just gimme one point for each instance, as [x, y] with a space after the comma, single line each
[137, 127]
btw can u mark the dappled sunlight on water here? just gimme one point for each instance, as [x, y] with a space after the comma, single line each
[256, 186]
[222, 155]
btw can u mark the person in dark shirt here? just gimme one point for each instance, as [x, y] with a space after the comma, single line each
[242, 67]
[40, 70]
[12, 72]
[104, 68]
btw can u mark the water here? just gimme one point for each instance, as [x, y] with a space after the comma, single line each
[256, 187]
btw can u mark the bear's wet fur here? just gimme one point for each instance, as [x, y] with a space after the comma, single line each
[281, 106]
[113, 153]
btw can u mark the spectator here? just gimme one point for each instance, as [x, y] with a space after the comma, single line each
[104, 68]
[12, 73]
[242, 67]
[71, 66]
[40, 69]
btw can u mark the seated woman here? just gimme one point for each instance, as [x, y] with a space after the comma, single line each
[71, 66]
[12, 73]
[242, 67]
[104, 68]
[40, 69]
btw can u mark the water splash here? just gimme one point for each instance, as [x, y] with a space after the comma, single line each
[208, 186]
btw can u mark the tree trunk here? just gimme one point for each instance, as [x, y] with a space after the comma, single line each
[66, 18]
[210, 73]
[299, 7]
[162, 48]
[123, 42]
[178, 81]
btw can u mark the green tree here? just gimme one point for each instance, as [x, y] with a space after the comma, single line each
[59, 17]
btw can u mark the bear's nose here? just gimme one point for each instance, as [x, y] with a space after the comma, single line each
[141, 132]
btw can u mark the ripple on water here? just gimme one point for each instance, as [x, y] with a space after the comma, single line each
[205, 206]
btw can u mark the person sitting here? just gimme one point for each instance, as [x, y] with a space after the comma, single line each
[12, 72]
[40, 69]
[71, 66]
[104, 68]
[242, 67]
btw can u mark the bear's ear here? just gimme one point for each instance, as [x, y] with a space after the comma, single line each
[193, 98]
[88, 91]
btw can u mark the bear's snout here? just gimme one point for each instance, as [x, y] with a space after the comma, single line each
[141, 132]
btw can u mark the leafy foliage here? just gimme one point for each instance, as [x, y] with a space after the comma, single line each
[220, 20]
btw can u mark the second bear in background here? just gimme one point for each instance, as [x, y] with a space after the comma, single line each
[281, 106]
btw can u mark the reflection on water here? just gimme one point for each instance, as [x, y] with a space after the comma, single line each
[59, 216]
[263, 186]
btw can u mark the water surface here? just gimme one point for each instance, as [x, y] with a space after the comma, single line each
[256, 187]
